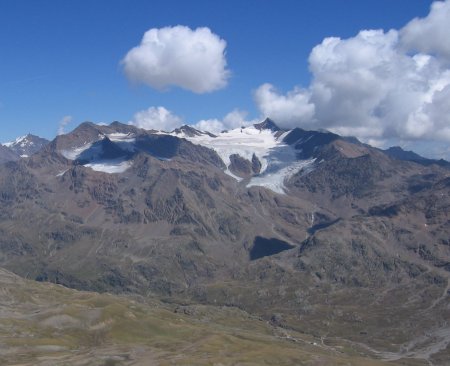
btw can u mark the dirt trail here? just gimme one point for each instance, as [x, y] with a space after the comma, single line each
[422, 347]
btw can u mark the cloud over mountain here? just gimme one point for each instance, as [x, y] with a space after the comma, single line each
[234, 119]
[377, 85]
[179, 56]
[157, 118]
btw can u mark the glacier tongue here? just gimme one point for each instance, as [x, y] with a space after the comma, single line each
[274, 179]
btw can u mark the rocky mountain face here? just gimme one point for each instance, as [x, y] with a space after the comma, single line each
[313, 232]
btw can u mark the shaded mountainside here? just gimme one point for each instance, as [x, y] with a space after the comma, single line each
[398, 153]
[357, 248]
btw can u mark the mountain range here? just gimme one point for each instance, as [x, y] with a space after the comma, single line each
[312, 232]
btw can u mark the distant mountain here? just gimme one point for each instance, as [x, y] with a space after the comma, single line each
[396, 152]
[27, 145]
[308, 230]
[189, 131]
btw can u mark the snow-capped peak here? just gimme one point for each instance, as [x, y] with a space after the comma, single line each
[27, 145]
[20, 140]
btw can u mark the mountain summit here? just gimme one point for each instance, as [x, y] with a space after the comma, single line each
[267, 124]
[27, 145]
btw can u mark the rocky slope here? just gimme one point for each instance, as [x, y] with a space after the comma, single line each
[313, 232]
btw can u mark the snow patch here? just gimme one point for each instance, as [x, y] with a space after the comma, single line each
[17, 141]
[75, 152]
[60, 174]
[118, 137]
[110, 166]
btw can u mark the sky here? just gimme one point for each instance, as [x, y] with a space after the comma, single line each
[375, 69]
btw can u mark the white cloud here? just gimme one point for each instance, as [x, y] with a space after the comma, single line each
[156, 118]
[290, 109]
[235, 119]
[63, 123]
[179, 56]
[430, 34]
[377, 85]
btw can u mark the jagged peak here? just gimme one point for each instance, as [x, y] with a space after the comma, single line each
[267, 124]
[190, 131]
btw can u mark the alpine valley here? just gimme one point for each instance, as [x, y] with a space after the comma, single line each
[249, 247]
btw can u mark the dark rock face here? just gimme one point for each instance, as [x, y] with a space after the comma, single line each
[308, 143]
[263, 247]
[244, 168]
[256, 164]
[240, 166]
[191, 131]
[267, 124]
[104, 149]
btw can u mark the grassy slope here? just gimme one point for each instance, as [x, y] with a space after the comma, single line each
[45, 324]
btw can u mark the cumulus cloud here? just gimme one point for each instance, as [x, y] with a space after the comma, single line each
[63, 123]
[156, 118]
[293, 108]
[377, 85]
[179, 56]
[234, 119]
[430, 34]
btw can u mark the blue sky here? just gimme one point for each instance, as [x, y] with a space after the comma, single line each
[63, 58]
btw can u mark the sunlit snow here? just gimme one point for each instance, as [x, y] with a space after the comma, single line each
[244, 142]
[61, 173]
[18, 140]
[117, 136]
[110, 166]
